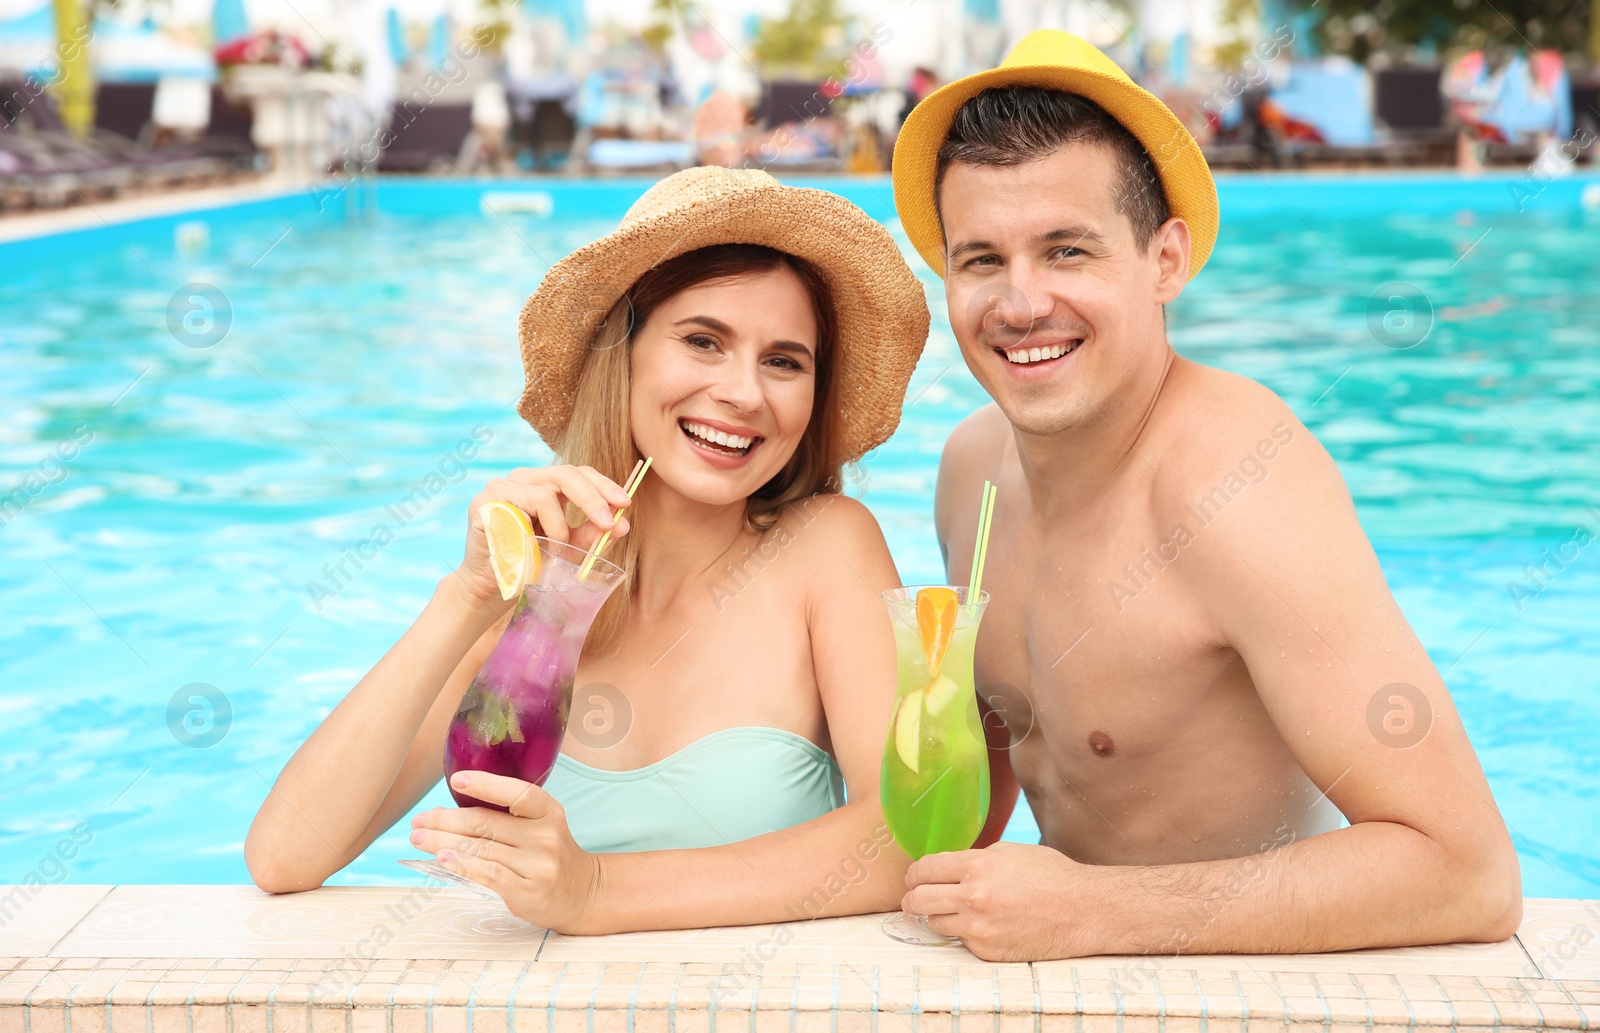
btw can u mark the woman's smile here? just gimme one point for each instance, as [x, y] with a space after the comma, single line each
[723, 445]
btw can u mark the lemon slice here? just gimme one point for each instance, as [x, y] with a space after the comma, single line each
[941, 693]
[513, 554]
[908, 729]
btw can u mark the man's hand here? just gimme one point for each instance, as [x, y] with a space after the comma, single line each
[527, 856]
[1008, 902]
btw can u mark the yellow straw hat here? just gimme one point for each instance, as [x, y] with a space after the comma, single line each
[1056, 60]
[881, 311]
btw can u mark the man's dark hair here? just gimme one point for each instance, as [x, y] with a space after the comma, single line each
[1012, 125]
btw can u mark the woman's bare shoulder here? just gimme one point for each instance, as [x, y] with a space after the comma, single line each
[830, 522]
[833, 542]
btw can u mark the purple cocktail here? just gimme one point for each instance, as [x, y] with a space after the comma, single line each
[512, 717]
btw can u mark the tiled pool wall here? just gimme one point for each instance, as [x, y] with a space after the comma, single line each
[220, 959]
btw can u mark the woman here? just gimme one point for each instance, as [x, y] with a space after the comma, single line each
[761, 336]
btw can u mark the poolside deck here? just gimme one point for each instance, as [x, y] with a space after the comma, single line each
[426, 959]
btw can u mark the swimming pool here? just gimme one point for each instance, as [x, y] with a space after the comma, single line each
[182, 486]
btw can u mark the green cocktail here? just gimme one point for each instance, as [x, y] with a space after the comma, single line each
[935, 781]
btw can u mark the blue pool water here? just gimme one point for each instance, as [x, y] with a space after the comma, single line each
[182, 491]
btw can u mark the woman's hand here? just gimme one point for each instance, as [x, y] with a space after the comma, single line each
[528, 856]
[543, 494]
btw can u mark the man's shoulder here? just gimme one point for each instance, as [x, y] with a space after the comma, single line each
[1223, 434]
[1213, 407]
[971, 455]
[978, 437]
[1215, 419]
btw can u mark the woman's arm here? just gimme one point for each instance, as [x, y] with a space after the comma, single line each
[377, 754]
[844, 862]
[382, 748]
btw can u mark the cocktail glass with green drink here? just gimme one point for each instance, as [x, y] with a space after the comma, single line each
[935, 780]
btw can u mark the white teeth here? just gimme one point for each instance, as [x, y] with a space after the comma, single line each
[1023, 356]
[716, 437]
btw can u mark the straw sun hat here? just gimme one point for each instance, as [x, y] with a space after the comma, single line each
[881, 311]
[1056, 60]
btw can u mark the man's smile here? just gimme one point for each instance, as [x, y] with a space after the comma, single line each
[1038, 358]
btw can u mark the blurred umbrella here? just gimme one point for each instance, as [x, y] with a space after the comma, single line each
[1178, 59]
[228, 22]
[569, 14]
[379, 75]
[134, 53]
[28, 42]
[397, 39]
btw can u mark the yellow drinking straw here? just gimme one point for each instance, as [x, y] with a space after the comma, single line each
[632, 485]
[981, 549]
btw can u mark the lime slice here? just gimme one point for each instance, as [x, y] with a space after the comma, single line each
[513, 553]
[908, 729]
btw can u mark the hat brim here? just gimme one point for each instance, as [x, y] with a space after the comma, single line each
[880, 306]
[1185, 175]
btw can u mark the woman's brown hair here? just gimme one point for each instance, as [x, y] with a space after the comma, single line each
[599, 434]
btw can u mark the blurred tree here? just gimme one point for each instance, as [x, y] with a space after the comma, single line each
[74, 85]
[809, 40]
[667, 19]
[493, 24]
[1236, 18]
[1362, 28]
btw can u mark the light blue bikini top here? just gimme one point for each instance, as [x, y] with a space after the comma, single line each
[730, 785]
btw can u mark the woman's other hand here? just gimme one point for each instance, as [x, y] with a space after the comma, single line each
[527, 856]
[543, 493]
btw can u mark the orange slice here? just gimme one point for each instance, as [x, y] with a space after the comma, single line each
[936, 619]
[513, 553]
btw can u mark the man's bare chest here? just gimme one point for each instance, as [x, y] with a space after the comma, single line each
[1064, 654]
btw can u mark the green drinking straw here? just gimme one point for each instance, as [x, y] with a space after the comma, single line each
[981, 551]
[639, 470]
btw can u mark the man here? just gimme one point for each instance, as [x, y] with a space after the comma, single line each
[1190, 643]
